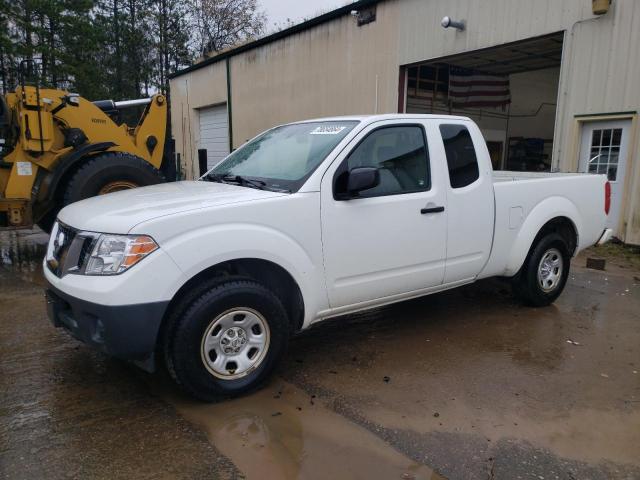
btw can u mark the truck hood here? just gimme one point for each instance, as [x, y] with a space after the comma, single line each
[119, 212]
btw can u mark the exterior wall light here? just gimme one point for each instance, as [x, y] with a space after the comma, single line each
[449, 22]
[600, 7]
[364, 16]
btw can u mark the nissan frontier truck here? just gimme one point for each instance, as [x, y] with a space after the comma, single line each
[308, 221]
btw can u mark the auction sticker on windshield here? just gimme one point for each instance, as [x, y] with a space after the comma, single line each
[327, 130]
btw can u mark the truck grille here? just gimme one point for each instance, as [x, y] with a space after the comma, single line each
[67, 250]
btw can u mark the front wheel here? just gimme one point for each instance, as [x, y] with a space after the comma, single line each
[545, 271]
[226, 341]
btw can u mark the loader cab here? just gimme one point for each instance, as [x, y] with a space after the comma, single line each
[129, 112]
[110, 109]
[5, 117]
[7, 128]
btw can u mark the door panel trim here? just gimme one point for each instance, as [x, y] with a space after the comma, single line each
[382, 301]
[607, 116]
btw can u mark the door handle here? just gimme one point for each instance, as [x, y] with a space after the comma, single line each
[431, 210]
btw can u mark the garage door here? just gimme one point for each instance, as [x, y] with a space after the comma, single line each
[214, 133]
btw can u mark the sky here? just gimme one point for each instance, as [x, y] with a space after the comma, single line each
[278, 11]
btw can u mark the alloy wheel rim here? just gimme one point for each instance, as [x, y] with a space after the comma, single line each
[235, 343]
[550, 270]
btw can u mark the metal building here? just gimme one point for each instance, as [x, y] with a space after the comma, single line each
[554, 85]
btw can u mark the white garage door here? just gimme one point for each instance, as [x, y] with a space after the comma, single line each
[214, 133]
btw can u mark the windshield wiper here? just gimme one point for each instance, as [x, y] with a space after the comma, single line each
[238, 179]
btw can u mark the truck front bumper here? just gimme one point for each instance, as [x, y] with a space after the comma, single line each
[128, 332]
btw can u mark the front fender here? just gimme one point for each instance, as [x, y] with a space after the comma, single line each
[203, 248]
[543, 212]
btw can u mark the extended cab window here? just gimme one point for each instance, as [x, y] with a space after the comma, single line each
[461, 155]
[400, 155]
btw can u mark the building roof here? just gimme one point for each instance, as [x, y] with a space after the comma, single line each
[300, 27]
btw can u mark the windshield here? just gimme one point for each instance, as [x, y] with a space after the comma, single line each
[281, 158]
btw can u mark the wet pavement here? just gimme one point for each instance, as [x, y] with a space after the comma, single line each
[466, 384]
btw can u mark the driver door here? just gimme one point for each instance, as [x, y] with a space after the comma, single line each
[391, 239]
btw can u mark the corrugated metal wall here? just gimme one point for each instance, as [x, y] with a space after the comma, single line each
[337, 68]
[601, 76]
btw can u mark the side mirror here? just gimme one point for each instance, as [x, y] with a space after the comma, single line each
[362, 178]
[348, 184]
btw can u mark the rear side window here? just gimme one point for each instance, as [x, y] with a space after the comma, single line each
[461, 155]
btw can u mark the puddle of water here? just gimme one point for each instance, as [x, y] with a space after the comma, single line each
[22, 251]
[282, 432]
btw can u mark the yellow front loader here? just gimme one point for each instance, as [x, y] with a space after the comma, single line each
[57, 148]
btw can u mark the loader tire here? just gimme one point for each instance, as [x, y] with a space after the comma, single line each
[107, 173]
[46, 222]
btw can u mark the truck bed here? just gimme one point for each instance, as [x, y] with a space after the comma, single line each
[524, 200]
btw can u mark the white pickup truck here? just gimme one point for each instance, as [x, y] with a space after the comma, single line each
[308, 221]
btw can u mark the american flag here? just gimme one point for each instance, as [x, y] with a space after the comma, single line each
[469, 88]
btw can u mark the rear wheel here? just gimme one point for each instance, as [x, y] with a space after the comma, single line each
[227, 340]
[110, 172]
[545, 271]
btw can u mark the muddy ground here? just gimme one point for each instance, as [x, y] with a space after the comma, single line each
[462, 385]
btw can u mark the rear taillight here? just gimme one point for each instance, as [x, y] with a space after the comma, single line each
[607, 197]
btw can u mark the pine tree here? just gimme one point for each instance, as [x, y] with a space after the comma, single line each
[7, 46]
[170, 24]
[117, 49]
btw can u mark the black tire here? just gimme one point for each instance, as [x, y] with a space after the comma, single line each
[188, 323]
[526, 284]
[48, 219]
[106, 168]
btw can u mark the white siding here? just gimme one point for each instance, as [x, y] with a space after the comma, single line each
[214, 133]
[338, 68]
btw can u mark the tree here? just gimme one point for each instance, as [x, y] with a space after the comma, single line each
[41, 32]
[7, 45]
[117, 49]
[62, 32]
[125, 44]
[172, 44]
[220, 24]
[82, 54]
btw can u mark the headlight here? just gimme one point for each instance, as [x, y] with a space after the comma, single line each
[113, 254]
